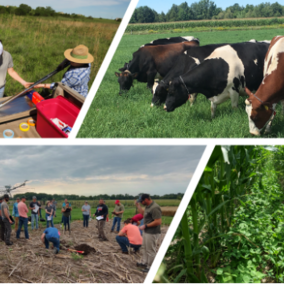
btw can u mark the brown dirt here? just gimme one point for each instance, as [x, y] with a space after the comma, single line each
[29, 261]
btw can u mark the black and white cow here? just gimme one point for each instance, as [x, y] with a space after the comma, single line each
[221, 76]
[192, 57]
[151, 61]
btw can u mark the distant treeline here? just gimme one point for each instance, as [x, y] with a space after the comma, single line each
[26, 10]
[206, 10]
[44, 196]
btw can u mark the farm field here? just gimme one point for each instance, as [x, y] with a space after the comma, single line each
[233, 228]
[130, 115]
[31, 262]
[37, 45]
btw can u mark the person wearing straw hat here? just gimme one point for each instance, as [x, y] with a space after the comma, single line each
[7, 66]
[77, 76]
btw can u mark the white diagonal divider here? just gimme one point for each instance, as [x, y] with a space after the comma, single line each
[107, 60]
[181, 209]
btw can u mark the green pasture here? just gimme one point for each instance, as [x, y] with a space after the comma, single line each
[130, 115]
[37, 45]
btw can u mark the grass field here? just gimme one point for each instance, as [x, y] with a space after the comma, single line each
[130, 115]
[37, 45]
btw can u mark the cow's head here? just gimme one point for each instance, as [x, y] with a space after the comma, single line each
[177, 95]
[259, 114]
[160, 93]
[125, 80]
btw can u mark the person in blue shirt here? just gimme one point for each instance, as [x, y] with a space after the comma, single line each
[77, 76]
[52, 235]
[15, 213]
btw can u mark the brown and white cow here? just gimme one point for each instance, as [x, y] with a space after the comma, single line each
[260, 106]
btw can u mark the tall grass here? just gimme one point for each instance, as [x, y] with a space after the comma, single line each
[37, 45]
[131, 116]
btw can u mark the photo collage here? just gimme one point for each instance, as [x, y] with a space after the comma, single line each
[167, 167]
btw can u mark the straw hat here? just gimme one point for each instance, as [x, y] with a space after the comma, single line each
[80, 54]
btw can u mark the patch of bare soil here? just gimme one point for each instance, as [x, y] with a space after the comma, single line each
[30, 262]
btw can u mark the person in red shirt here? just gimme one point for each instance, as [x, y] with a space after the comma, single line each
[129, 237]
[23, 219]
[138, 220]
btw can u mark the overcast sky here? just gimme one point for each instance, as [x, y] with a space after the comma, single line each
[165, 5]
[109, 9]
[92, 170]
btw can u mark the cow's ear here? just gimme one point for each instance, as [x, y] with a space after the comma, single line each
[122, 69]
[117, 74]
[134, 75]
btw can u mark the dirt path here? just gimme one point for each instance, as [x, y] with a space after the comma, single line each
[29, 261]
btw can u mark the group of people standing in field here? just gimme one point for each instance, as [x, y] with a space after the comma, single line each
[142, 230]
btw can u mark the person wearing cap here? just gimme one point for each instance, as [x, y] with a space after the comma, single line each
[118, 212]
[51, 235]
[77, 76]
[152, 229]
[138, 220]
[15, 213]
[6, 220]
[86, 209]
[129, 237]
[23, 219]
[34, 207]
[101, 214]
[2, 230]
[7, 66]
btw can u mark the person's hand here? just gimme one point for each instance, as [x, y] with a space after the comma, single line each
[10, 221]
[27, 84]
[142, 227]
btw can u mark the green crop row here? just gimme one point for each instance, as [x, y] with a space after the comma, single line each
[213, 24]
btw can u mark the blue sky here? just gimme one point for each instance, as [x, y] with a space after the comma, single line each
[165, 5]
[109, 9]
[93, 170]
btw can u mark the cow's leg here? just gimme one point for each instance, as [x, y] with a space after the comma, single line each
[234, 99]
[192, 98]
[213, 109]
[151, 79]
[217, 100]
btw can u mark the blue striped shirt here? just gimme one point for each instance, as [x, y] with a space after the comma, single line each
[77, 79]
[15, 210]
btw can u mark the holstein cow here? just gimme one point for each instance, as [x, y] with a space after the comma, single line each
[192, 57]
[150, 61]
[260, 106]
[221, 76]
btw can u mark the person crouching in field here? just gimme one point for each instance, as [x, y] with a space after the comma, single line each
[77, 76]
[51, 235]
[101, 214]
[66, 211]
[6, 65]
[86, 209]
[118, 212]
[129, 237]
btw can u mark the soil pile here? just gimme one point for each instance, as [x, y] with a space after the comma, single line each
[85, 248]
